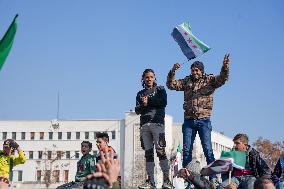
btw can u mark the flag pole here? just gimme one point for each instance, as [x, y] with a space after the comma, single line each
[230, 176]
[184, 62]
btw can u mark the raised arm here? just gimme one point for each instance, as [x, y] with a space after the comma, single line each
[21, 159]
[172, 83]
[219, 80]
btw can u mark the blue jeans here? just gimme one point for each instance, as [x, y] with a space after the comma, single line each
[189, 129]
[279, 185]
[243, 182]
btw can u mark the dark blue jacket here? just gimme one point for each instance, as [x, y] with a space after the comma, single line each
[258, 165]
[154, 112]
[278, 170]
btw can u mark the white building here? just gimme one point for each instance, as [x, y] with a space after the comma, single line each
[53, 147]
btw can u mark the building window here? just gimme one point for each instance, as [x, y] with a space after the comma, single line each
[77, 135]
[39, 154]
[95, 135]
[41, 135]
[67, 154]
[50, 135]
[66, 175]
[31, 155]
[38, 175]
[68, 135]
[4, 137]
[14, 136]
[77, 154]
[47, 176]
[20, 175]
[59, 135]
[112, 134]
[49, 154]
[55, 174]
[23, 135]
[32, 135]
[86, 135]
[59, 154]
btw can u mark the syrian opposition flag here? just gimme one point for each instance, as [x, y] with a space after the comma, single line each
[7, 41]
[178, 183]
[238, 158]
[216, 167]
[189, 44]
[226, 163]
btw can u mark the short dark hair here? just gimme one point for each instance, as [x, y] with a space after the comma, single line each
[103, 135]
[243, 137]
[199, 65]
[261, 182]
[87, 142]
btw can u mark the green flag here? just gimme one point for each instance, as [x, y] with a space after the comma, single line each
[7, 41]
[238, 157]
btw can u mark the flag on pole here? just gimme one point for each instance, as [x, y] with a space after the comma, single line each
[178, 183]
[190, 45]
[226, 163]
[216, 167]
[7, 41]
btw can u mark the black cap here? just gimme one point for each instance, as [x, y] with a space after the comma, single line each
[8, 142]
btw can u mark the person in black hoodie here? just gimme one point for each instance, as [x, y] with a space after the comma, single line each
[150, 105]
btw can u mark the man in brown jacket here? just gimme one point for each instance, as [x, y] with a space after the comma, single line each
[198, 102]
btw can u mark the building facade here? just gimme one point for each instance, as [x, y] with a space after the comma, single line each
[53, 147]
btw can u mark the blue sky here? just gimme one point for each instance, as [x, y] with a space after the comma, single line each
[94, 52]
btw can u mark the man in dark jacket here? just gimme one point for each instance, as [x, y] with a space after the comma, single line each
[150, 104]
[255, 166]
[278, 173]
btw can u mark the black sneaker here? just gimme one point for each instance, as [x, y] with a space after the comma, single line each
[167, 184]
[147, 185]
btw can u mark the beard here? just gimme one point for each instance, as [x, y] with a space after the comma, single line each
[195, 77]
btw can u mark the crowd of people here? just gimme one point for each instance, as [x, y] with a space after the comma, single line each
[102, 171]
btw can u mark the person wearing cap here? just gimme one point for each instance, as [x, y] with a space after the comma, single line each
[8, 161]
[198, 90]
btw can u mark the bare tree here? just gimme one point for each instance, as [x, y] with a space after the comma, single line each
[270, 151]
[49, 174]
